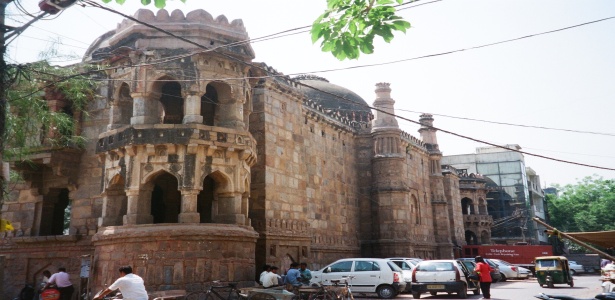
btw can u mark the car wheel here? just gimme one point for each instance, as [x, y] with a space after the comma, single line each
[433, 293]
[463, 293]
[541, 285]
[573, 272]
[550, 284]
[416, 295]
[503, 277]
[476, 291]
[386, 292]
[571, 284]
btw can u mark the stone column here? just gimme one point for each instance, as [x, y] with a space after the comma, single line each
[192, 110]
[139, 210]
[142, 110]
[229, 209]
[189, 213]
[112, 207]
[231, 113]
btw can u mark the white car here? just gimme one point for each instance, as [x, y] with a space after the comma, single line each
[524, 273]
[508, 270]
[575, 268]
[371, 275]
[407, 266]
[449, 276]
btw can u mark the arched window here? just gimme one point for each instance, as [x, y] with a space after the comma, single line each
[172, 103]
[467, 206]
[209, 105]
[415, 210]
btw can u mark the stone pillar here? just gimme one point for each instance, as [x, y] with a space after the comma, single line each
[142, 110]
[231, 114]
[112, 207]
[192, 110]
[139, 210]
[229, 209]
[189, 213]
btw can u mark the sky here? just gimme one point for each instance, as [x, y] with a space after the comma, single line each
[562, 80]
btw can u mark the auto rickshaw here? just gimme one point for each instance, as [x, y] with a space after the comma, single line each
[552, 270]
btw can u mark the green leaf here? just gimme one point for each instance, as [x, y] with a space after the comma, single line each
[146, 2]
[401, 25]
[160, 4]
[366, 48]
[352, 27]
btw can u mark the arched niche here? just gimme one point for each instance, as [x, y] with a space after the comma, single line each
[121, 108]
[482, 206]
[55, 213]
[467, 206]
[165, 198]
[415, 209]
[169, 95]
[214, 185]
[471, 238]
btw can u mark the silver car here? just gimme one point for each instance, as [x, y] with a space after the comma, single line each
[575, 268]
[508, 270]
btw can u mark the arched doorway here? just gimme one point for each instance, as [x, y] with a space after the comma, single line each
[467, 206]
[172, 103]
[206, 199]
[55, 213]
[471, 238]
[166, 199]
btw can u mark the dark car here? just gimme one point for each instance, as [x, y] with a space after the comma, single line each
[495, 274]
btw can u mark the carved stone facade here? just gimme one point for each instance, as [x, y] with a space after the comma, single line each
[203, 165]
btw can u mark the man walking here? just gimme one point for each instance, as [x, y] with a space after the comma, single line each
[131, 286]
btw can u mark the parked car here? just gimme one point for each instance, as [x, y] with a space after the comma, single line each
[449, 276]
[495, 274]
[524, 273]
[371, 275]
[508, 270]
[407, 266]
[575, 268]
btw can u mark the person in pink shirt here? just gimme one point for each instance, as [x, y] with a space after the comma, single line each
[484, 276]
[62, 283]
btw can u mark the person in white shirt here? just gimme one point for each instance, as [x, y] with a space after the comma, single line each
[271, 278]
[266, 269]
[63, 284]
[131, 286]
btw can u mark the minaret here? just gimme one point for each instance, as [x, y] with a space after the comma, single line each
[438, 198]
[389, 173]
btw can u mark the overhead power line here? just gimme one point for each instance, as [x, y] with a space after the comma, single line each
[513, 124]
[373, 108]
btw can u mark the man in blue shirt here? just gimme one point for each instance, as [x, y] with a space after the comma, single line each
[306, 275]
[293, 277]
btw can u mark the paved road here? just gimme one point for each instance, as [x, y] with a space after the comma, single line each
[585, 286]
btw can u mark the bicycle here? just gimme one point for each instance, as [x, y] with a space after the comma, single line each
[345, 293]
[218, 292]
[317, 292]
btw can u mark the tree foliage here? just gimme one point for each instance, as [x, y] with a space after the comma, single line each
[588, 205]
[30, 123]
[347, 27]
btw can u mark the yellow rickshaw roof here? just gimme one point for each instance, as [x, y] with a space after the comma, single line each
[551, 257]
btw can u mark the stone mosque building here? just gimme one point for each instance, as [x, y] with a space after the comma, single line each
[205, 165]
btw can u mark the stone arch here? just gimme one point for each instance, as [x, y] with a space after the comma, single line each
[223, 181]
[210, 105]
[467, 206]
[485, 237]
[165, 199]
[471, 238]
[168, 94]
[56, 206]
[121, 108]
[482, 206]
[115, 202]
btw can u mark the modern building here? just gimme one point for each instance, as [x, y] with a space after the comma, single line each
[514, 196]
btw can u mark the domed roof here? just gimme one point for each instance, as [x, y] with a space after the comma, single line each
[322, 95]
